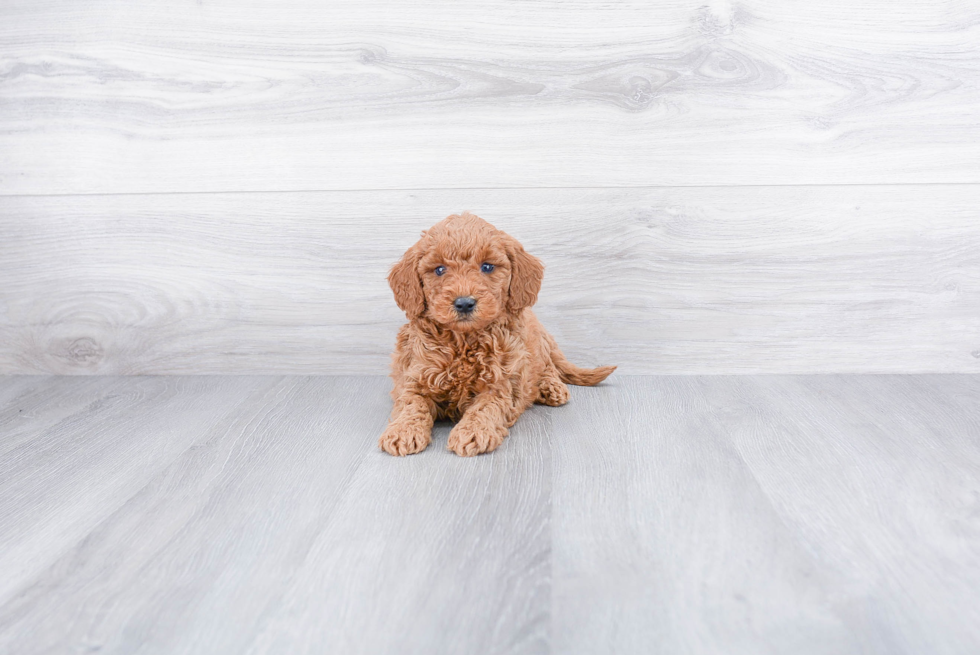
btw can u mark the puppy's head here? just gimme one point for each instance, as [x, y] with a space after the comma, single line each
[464, 274]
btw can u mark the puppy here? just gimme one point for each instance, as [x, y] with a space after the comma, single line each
[472, 351]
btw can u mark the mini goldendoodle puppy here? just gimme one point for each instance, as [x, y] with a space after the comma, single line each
[472, 351]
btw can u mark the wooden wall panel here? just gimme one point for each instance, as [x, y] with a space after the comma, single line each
[125, 97]
[679, 280]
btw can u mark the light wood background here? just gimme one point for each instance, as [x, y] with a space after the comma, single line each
[744, 515]
[715, 187]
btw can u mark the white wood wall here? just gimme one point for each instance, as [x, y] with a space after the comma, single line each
[715, 187]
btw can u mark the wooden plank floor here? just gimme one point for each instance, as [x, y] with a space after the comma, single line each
[752, 514]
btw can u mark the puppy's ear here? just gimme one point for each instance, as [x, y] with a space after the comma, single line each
[526, 273]
[406, 284]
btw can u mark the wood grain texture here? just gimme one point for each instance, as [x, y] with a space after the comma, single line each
[58, 486]
[912, 478]
[280, 515]
[707, 280]
[30, 405]
[747, 514]
[109, 97]
[756, 514]
[431, 553]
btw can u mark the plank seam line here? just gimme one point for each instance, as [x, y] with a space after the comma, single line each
[487, 188]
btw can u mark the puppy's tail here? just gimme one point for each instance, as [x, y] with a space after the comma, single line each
[572, 374]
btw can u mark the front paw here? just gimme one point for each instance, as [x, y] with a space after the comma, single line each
[467, 439]
[403, 438]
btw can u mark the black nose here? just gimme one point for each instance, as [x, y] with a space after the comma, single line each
[464, 304]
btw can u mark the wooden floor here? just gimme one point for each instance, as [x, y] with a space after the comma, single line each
[751, 514]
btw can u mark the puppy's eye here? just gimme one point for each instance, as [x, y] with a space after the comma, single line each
[487, 268]
[439, 270]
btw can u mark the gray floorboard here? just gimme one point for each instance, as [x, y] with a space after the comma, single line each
[668, 514]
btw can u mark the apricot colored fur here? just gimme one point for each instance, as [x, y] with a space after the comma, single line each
[481, 370]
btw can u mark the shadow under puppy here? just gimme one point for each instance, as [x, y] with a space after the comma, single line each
[472, 352]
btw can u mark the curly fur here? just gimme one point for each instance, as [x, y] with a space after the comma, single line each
[481, 370]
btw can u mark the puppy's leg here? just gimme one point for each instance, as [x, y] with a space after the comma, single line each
[483, 426]
[409, 430]
[551, 390]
